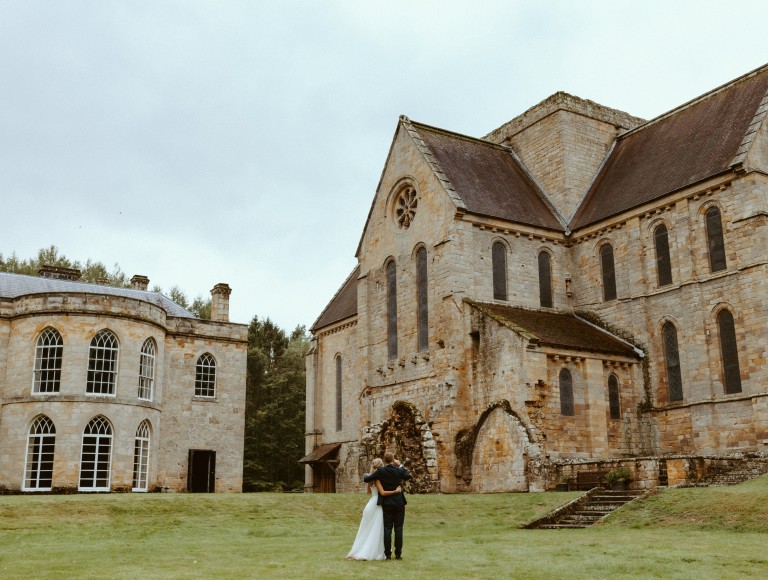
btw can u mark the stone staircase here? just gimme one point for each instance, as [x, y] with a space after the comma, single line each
[732, 473]
[586, 510]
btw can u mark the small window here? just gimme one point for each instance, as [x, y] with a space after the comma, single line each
[545, 280]
[614, 402]
[609, 272]
[48, 355]
[102, 364]
[663, 261]
[338, 394]
[672, 360]
[566, 393]
[41, 442]
[147, 370]
[499, 265]
[141, 457]
[422, 315]
[96, 457]
[715, 241]
[392, 310]
[729, 352]
[205, 376]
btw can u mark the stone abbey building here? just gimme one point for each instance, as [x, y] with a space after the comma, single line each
[114, 389]
[578, 289]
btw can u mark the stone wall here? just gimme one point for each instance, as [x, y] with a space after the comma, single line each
[177, 421]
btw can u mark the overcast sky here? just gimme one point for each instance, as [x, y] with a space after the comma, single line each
[242, 141]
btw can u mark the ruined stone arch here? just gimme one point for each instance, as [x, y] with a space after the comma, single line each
[409, 437]
[493, 455]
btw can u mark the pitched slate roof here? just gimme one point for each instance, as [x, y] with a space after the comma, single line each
[18, 285]
[342, 305]
[487, 178]
[556, 329]
[696, 141]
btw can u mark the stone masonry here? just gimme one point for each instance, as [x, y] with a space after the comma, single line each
[515, 392]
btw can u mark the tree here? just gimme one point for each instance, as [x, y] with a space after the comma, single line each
[275, 396]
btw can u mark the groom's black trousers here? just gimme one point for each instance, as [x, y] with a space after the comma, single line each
[394, 517]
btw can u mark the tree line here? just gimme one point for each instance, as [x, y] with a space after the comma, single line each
[275, 395]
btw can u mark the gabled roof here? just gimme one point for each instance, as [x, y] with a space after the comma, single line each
[488, 179]
[556, 329]
[18, 285]
[696, 141]
[342, 305]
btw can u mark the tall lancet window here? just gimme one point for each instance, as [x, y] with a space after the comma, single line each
[422, 312]
[392, 310]
[663, 261]
[609, 272]
[545, 280]
[715, 241]
[729, 352]
[499, 264]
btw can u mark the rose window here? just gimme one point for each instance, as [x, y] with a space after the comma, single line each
[405, 207]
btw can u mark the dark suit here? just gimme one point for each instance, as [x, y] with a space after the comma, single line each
[393, 506]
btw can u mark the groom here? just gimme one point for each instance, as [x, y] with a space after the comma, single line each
[391, 475]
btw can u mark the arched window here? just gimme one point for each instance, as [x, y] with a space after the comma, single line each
[102, 364]
[614, 402]
[422, 313]
[41, 441]
[672, 360]
[141, 457]
[545, 280]
[566, 392]
[48, 353]
[609, 272]
[499, 265]
[663, 261]
[205, 376]
[147, 370]
[392, 310]
[729, 352]
[96, 456]
[338, 394]
[715, 241]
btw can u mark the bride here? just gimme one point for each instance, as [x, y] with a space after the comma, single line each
[369, 542]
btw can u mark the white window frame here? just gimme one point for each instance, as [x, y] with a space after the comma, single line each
[205, 376]
[147, 370]
[103, 357]
[141, 449]
[49, 354]
[103, 438]
[41, 430]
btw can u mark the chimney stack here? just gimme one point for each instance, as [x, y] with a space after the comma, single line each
[59, 272]
[139, 282]
[220, 302]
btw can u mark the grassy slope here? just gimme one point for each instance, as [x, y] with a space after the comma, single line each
[689, 533]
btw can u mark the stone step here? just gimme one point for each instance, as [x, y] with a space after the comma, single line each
[591, 509]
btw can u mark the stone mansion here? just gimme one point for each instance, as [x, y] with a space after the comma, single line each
[117, 389]
[577, 289]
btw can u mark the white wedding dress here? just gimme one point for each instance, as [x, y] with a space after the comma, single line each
[369, 542]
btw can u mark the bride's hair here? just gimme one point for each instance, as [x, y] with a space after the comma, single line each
[376, 464]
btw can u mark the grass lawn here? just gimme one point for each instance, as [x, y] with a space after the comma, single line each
[686, 533]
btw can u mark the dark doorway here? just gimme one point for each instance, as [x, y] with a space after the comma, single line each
[202, 471]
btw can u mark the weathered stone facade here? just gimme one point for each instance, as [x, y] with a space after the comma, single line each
[157, 346]
[550, 301]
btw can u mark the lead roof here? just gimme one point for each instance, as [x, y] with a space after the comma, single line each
[17, 285]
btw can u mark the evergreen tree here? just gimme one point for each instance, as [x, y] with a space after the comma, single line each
[274, 426]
